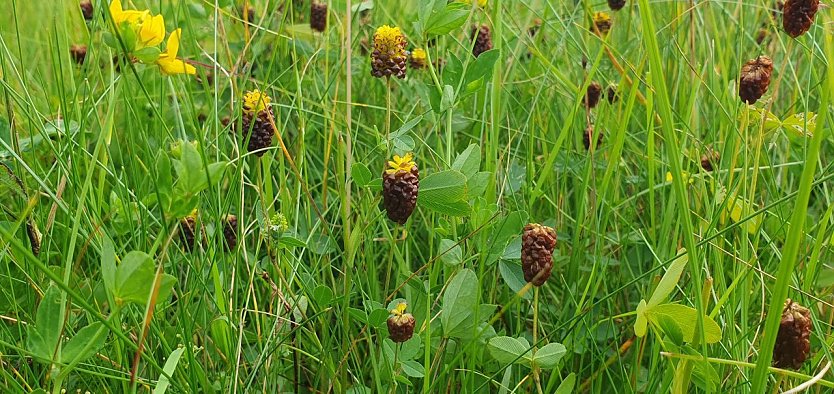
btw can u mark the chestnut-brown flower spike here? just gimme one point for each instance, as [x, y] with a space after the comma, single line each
[483, 39]
[188, 231]
[710, 160]
[400, 324]
[86, 9]
[611, 94]
[755, 79]
[388, 57]
[318, 16]
[798, 16]
[230, 231]
[419, 59]
[78, 53]
[592, 94]
[588, 136]
[400, 185]
[256, 114]
[537, 244]
[616, 5]
[601, 23]
[793, 341]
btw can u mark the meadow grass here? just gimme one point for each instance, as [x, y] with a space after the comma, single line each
[111, 155]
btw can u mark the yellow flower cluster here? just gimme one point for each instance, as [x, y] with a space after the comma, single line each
[389, 39]
[419, 55]
[481, 3]
[255, 101]
[405, 164]
[141, 32]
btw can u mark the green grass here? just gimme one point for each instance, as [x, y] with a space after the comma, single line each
[111, 158]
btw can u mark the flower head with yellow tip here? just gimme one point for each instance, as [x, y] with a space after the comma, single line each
[418, 58]
[399, 315]
[401, 164]
[602, 23]
[388, 57]
[255, 101]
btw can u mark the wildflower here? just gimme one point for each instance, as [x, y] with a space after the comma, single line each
[256, 124]
[798, 16]
[709, 160]
[388, 57]
[592, 94]
[401, 324]
[684, 175]
[418, 58]
[611, 93]
[86, 9]
[588, 136]
[483, 39]
[230, 231]
[616, 5]
[481, 3]
[188, 230]
[78, 53]
[318, 16]
[755, 79]
[119, 15]
[400, 185]
[151, 32]
[168, 62]
[601, 23]
[537, 245]
[793, 342]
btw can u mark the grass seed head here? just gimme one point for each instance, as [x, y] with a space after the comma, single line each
[601, 23]
[798, 16]
[755, 79]
[793, 341]
[537, 245]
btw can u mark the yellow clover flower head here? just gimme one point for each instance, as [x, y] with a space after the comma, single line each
[419, 58]
[168, 62]
[388, 39]
[399, 310]
[602, 21]
[255, 101]
[404, 164]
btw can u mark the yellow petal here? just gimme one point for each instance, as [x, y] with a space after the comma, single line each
[174, 66]
[173, 44]
[119, 15]
[152, 32]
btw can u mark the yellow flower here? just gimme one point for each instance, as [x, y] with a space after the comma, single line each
[481, 3]
[151, 31]
[400, 309]
[389, 38]
[119, 15]
[255, 101]
[405, 164]
[168, 62]
[685, 177]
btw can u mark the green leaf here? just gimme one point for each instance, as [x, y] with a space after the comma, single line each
[567, 385]
[322, 296]
[192, 176]
[514, 277]
[450, 18]
[670, 328]
[444, 192]
[164, 180]
[147, 55]
[407, 126]
[169, 368]
[108, 264]
[452, 72]
[86, 343]
[705, 376]
[413, 369]
[670, 279]
[503, 231]
[641, 324]
[477, 183]
[453, 254]
[42, 338]
[135, 278]
[549, 355]
[508, 350]
[483, 66]
[469, 161]
[800, 126]
[459, 301]
[448, 99]
[685, 317]
[361, 174]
